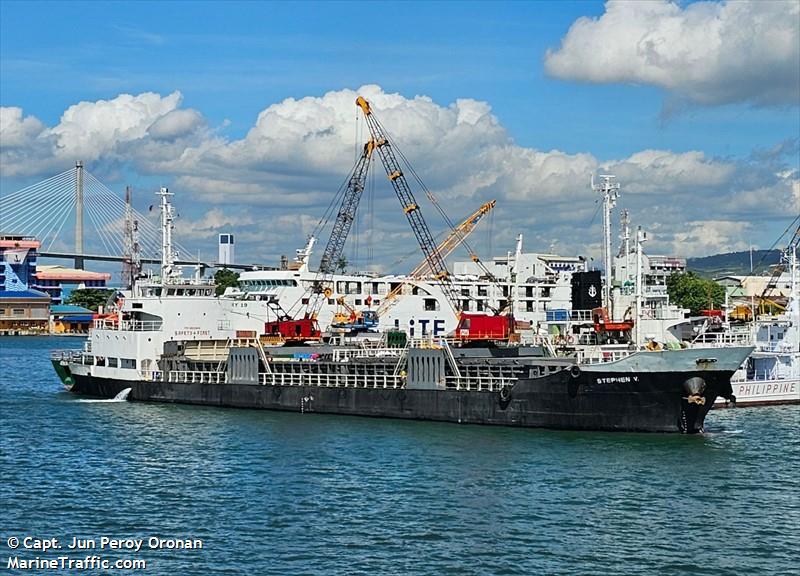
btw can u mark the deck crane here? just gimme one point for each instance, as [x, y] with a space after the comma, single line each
[470, 326]
[453, 240]
[303, 325]
[778, 271]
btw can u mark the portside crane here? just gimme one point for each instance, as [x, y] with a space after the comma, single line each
[777, 272]
[303, 325]
[453, 240]
[470, 326]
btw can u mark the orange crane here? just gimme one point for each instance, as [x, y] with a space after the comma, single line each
[777, 272]
[453, 240]
[470, 326]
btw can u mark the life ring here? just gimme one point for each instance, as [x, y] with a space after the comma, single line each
[571, 339]
[327, 292]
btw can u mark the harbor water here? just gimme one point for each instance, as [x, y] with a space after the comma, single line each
[280, 493]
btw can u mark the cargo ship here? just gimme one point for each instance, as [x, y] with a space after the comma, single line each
[170, 339]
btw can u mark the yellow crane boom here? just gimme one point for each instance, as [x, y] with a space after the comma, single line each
[453, 240]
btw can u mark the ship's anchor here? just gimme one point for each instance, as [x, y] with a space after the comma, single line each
[694, 388]
[696, 399]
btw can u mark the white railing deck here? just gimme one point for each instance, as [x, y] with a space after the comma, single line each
[329, 380]
[127, 325]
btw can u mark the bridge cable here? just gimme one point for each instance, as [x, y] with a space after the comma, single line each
[18, 213]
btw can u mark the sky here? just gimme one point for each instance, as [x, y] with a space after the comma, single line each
[245, 110]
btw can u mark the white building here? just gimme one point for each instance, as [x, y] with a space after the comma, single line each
[226, 255]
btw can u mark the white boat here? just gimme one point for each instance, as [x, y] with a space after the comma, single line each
[772, 373]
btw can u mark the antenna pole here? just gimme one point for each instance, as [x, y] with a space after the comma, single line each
[167, 255]
[610, 191]
[641, 237]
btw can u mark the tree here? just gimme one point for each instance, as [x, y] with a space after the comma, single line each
[225, 278]
[91, 298]
[688, 290]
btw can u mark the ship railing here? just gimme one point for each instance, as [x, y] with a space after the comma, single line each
[759, 376]
[723, 339]
[142, 325]
[344, 354]
[283, 379]
[189, 377]
[479, 383]
[128, 325]
[72, 356]
[777, 347]
[600, 356]
[332, 380]
[580, 315]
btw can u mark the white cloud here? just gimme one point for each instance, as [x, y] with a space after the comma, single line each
[17, 131]
[705, 237]
[210, 223]
[705, 52]
[298, 153]
[175, 123]
[90, 129]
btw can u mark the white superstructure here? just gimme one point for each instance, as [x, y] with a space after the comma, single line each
[532, 283]
[127, 343]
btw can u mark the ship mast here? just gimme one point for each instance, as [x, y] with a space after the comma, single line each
[167, 225]
[641, 238]
[625, 248]
[610, 191]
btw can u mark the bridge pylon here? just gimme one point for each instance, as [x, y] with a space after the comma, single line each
[79, 214]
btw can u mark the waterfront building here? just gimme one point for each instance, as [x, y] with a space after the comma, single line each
[69, 319]
[23, 308]
[58, 281]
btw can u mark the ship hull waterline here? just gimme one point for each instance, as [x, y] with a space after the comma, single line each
[655, 402]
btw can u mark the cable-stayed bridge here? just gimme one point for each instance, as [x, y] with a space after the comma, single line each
[74, 208]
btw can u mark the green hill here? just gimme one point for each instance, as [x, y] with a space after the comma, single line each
[734, 263]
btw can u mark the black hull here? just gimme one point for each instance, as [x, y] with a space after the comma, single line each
[655, 402]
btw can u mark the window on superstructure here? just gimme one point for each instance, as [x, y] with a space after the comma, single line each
[112, 362]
